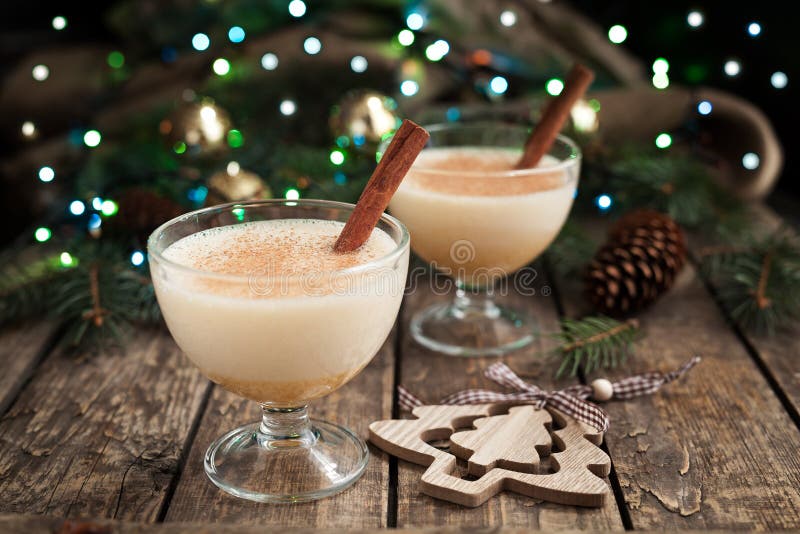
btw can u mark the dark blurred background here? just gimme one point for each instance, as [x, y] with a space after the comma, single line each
[655, 29]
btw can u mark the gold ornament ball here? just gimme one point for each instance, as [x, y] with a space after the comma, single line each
[366, 114]
[197, 128]
[232, 187]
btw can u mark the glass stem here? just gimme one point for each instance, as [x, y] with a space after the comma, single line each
[286, 424]
[474, 300]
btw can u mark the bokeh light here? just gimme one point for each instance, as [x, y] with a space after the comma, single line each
[269, 61]
[201, 42]
[40, 73]
[695, 19]
[297, 8]
[617, 34]
[751, 161]
[59, 23]
[236, 34]
[405, 37]
[704, 107]
[92, 138]
[288, 107]
[42, 234]
[409, 87]
[554, 87]
[47, 174]
[312, 46]
[732, 68]
[779, 80]
[663, 140]
[358, 64]
[76, 207]
[221, 66]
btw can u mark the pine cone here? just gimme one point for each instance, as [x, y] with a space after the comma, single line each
[141, 211]
[644, 254]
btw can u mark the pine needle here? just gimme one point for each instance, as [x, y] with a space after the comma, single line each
[594, 343]
[757, 279]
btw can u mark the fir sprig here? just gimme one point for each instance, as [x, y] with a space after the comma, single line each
[572, 250]
[757, 279]
[593, 343]
[97, 298]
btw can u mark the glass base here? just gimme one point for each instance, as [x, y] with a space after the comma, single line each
[472, 328]
[320, 460]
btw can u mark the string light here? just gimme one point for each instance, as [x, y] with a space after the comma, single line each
[137, 258]
[415, 21]
[754, 29]
[694, 19]
[47, 174]
[584, 116]
[288, 107]
[617, 34]
[297, 8]
[409, 87]
[453, 114]
[292, 194]
[358, 64]
[109, 208]
[92, 138]
[95, 222]
[660, 66]
[115, 59]
[66, 259]
[312, 46]
[751, 161]
[42, 234]
[76, 207]
[554, 87]
[233, 168]
[40, 73]
[337, 157]
[508, 18]
[704, 107]
[235, 138]
[97, 203]
[603, 202]
[437, 50]
[498, 85]
[221, 66]
[29, 129]
[59, 23]
[269, 61]
[405, 37]
[732, 68]
[779, 80]
[660, 80]
[236, 34]
[663, 140]
[201, 42]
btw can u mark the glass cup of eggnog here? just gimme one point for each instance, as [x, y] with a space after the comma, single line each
[478, 219]
[256, 297]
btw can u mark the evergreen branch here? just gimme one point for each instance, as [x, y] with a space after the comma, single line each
[758, 280]
[593, 343]
[571, 251]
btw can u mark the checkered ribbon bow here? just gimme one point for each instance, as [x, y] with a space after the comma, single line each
[571, 400]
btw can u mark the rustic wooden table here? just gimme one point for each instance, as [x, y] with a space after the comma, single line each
[122, 436]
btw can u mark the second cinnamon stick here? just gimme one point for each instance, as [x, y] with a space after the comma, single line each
[554, 116]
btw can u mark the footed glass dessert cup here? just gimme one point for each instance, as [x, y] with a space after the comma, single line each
[254, 295]
[477, 219]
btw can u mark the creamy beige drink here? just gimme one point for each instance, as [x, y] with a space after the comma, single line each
[475, 218]
[280, 317]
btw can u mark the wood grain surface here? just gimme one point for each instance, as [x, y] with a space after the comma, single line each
[100, 436]
[21, 349]
[123, 435]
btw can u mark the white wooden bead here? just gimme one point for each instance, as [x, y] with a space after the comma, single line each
[602, 390]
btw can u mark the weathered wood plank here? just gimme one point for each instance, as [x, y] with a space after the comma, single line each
[100, 436]
[22, 346]
[433, 376]
[367, 398]
[713, 451]
[47, 525]
[779, 352]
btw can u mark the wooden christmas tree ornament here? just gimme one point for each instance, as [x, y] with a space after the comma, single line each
[508, 449]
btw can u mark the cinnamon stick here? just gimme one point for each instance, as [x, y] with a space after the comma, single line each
[406, 144]
[554, 116]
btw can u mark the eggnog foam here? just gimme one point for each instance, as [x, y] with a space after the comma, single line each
[300, 345]
[474, 216]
